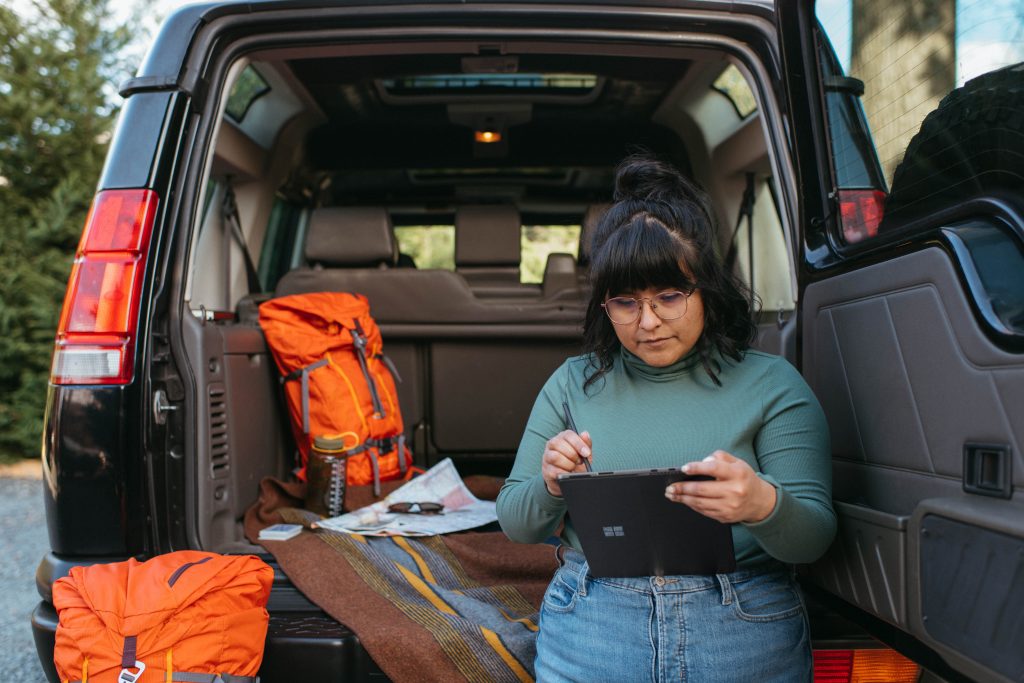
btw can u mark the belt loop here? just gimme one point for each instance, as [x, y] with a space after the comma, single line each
[726, 586]
[560, 555]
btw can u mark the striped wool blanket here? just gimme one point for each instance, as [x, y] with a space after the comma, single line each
[442, 608]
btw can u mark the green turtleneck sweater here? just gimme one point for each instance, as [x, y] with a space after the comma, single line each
[640, 416]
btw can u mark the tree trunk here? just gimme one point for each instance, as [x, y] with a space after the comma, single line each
[905, 52]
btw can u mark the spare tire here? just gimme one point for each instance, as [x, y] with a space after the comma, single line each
[971, 145]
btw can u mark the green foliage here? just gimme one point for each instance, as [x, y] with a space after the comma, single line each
[56, 68]
[433, 246]
[537, 241]
[430, 246]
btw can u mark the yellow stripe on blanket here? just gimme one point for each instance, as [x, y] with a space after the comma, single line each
[495, 642]
[523, 620]
[428, 576]
[425, 590]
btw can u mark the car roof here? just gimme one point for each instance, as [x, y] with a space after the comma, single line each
[163, 66]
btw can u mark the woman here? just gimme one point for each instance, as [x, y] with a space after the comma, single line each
[668, 379]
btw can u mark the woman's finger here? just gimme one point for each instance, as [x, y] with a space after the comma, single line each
[699, 489]
[562, 445]
[578, 443]
[723, 456]
[710, 508]
[560, 461]
[710, 468]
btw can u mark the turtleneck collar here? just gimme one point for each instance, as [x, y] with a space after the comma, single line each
[634, 365]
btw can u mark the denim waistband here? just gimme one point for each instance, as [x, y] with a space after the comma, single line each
[575, 562]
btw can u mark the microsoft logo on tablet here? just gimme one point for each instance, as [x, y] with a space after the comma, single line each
[610, 531]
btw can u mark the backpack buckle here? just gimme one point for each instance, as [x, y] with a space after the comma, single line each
[127, 676]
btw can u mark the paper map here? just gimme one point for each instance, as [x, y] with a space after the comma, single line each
[440, 484]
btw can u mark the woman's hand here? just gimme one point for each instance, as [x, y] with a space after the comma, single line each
[564, 453]
[736, 495]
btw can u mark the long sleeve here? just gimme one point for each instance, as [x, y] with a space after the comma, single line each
[640, 417]
[526, 511]
[793, 451]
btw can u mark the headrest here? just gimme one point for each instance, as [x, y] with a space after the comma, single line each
[351, 237]
[487, 236]
[559, 263]
[590, 220]
[559, 273]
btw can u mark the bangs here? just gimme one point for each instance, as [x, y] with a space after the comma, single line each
[640, 255]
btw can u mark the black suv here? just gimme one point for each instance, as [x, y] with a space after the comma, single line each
[446, 159]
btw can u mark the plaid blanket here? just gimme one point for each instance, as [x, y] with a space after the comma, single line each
[441, 608]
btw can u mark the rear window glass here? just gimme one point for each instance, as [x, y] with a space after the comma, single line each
[910, 56]
[433, 246]
[429, 246]
[537, 241]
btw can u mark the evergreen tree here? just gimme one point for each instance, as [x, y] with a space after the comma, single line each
[57, 67]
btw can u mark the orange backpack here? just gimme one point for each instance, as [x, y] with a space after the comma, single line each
[200, 616]
[338, 382]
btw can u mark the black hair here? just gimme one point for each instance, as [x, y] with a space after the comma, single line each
[660, 232]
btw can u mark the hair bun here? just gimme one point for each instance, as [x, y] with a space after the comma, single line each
[644, 178]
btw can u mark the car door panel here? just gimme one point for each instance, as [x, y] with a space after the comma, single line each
[968, 554]
[907, 377]
[905, 374]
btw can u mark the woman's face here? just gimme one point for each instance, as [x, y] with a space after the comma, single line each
[660, 342]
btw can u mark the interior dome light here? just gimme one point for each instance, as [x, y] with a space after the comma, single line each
[487, 136]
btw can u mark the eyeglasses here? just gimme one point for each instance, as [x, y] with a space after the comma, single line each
[625, 310]
[417, 508]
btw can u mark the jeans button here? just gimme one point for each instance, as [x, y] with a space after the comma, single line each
[659, 580]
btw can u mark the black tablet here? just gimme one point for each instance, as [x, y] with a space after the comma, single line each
[627, 526]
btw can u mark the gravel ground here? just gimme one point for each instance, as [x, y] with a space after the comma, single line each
[23, 543]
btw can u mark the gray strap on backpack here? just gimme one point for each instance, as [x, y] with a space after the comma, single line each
[303, 375]
[376, 471]
[189, 677]
[402, 464]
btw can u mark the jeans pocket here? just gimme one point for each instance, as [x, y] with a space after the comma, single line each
[767, 597]
[561, 593]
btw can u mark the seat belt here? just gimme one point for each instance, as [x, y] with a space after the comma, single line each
[233, 230]
[746, 211]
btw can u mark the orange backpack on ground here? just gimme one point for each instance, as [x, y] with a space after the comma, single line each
[338, 382]
[200, 616]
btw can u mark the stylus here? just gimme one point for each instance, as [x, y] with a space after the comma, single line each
[572, 425]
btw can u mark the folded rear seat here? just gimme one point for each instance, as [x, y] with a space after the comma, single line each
[353, 249]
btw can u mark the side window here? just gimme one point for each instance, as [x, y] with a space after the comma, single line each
[759, 256]
[278, 250]
[249, 87]
[538, 241]
[918, 96]
[429, 246]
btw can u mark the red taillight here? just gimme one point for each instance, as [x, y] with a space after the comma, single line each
[861, 212]
[863, 666]
[98, 325]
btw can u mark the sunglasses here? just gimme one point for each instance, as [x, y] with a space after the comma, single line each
[417, 508]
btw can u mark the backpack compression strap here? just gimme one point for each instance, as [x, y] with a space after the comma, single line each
[359, 342]
[303, 374]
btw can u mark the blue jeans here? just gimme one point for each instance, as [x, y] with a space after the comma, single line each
[750, 625]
